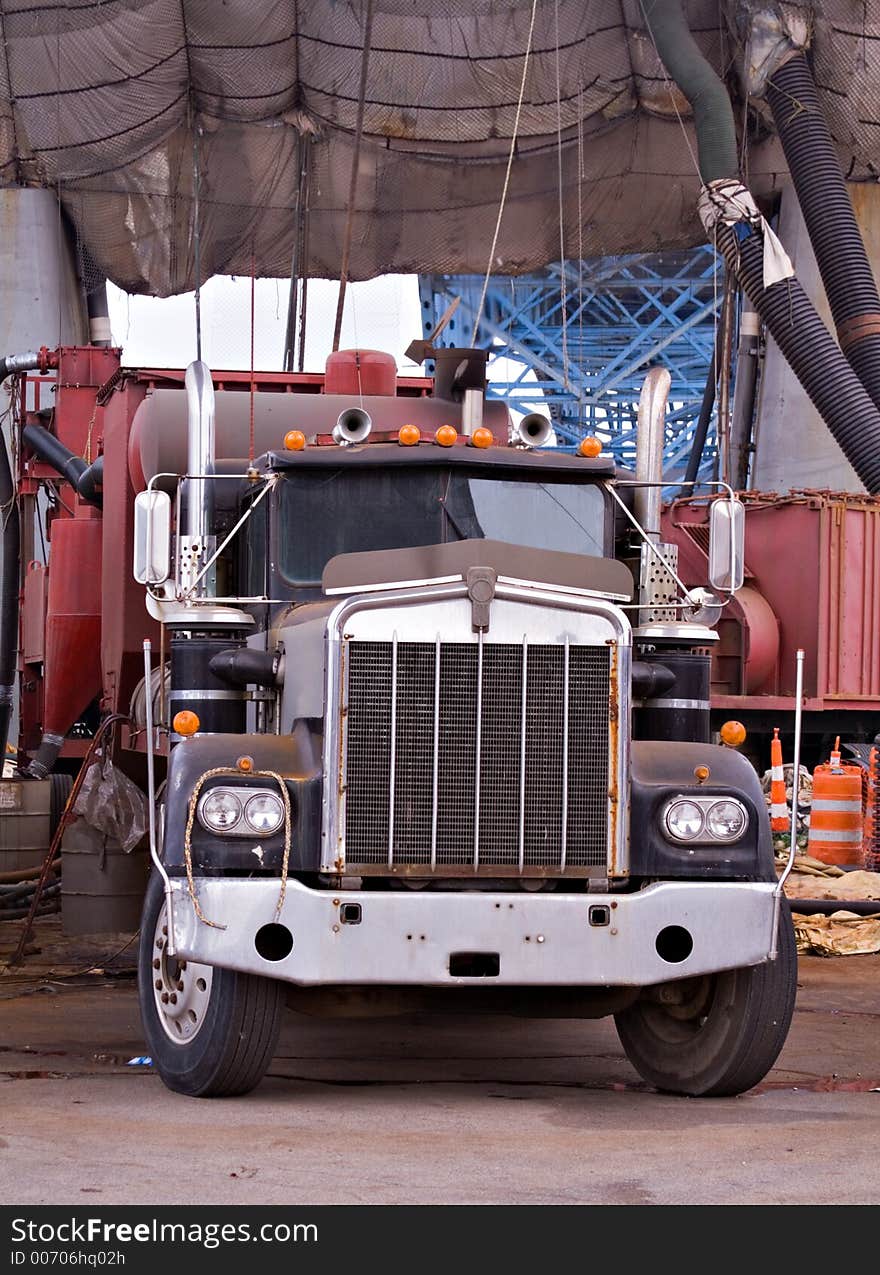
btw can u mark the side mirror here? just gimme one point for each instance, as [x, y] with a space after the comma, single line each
[727, 532]
[152, 537]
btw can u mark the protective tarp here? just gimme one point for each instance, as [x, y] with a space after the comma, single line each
[103, 101]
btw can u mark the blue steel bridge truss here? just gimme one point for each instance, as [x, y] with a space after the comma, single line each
[613, 318]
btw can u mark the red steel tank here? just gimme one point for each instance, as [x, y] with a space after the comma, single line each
[360, 372]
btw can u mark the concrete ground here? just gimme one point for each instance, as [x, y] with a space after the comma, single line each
[428, 1108]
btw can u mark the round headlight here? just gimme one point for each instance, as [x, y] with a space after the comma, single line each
[684, 820]
[727, 820]
[220, 811]
[264, 813]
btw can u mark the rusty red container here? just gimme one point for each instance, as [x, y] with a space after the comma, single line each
[73, 622]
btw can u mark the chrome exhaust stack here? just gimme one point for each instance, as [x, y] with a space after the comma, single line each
[533, 430]
[197, 545]
[352, 426]
[649, 450]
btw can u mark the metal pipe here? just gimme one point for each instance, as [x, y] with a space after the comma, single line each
[698, 443]
[151, 792]
[795, 790]
[743, 410]
[200, 460]
[649, 450]
[471, 411]
[10, 558]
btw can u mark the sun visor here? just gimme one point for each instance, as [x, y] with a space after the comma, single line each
[435, 564]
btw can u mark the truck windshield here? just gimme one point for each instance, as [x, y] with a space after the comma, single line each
[343, 510]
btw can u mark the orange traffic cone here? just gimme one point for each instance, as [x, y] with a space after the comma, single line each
[779, 820]
[836, 818]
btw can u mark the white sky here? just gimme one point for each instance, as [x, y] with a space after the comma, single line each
[381, 314]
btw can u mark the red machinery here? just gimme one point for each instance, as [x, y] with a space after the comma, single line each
[810, 581]
[83, 618]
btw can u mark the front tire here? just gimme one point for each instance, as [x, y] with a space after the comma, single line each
[715, 1035]
[211, 1032]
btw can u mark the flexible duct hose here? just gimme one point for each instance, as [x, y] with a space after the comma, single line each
[811, 350]
[791, 318]
[829, 216]
[710, 103]
[87, 479]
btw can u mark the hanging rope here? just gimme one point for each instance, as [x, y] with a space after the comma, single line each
[506, 186]
[582, 411]
[562, 279]
[253, 383]
[355, 164]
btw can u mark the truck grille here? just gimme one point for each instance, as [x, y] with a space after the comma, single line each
[421, 714]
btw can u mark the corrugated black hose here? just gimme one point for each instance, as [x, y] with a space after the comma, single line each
[811, 350]
[830, 219]
[791, 318]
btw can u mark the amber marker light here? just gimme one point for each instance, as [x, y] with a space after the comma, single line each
[590, 447]
[185, 722]
[245, 764]
[408, 435]
[733, 734]
[701, 774]
[446, 436]
[482, 437]
[294, 440]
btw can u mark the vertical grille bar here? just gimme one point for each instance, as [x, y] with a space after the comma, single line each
[477, 750]
[522, 753]
[393, 763]
[436, 783]
[564, 836]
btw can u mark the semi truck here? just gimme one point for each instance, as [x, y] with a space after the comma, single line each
[436, 715]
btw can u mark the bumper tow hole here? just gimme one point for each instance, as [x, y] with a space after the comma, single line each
[350, 914]
[600, 914]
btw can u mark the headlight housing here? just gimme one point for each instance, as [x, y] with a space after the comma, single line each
[684, 820]
[241, 812]
[264, 813]
[220, 810]
[689, 818]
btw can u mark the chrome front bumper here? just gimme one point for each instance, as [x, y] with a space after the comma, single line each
[539, 939]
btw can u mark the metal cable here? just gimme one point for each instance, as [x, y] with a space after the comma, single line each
[506, 186]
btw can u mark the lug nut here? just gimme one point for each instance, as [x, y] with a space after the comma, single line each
[157, 963]
[164, 998]
[158, 984]
[182, 966]
[180, 985]
[173, 998]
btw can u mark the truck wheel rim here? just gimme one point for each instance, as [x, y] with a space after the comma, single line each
[181, 989]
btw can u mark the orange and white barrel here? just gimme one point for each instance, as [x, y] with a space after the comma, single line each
[836, 820]
[779, 820]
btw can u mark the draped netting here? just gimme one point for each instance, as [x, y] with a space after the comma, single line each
[101, 99]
